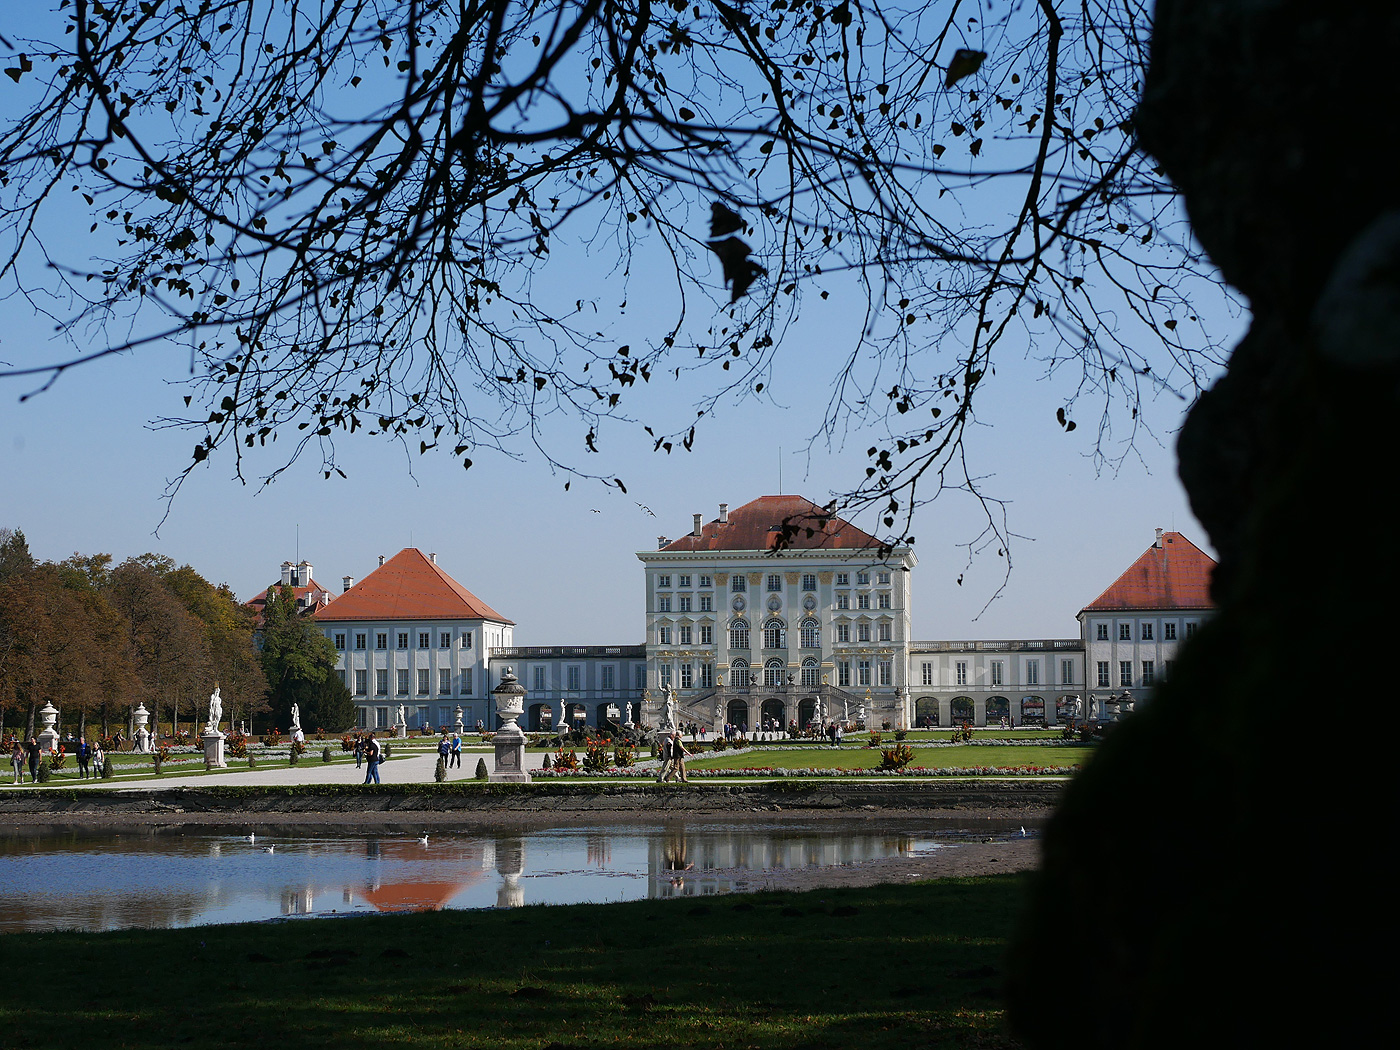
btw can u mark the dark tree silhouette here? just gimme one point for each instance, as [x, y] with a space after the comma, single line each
[371, 214]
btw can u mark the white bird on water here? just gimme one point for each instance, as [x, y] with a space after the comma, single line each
[424, 840]
[252, 836]
[269, 849]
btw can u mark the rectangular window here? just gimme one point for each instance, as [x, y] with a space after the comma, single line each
[927, 669]
[1147, 632]
[1125, 632]
[707, 581]
[538, 674]
[664, 580]
[684, 601]
[882, 577]
[639, 677]
[685, 634]
[809, 581]
[424, 681]
[663, 636]
[466, 639]
[425, 639]
[862, 632]
[607, 677]
[340, 643]
[883, 600]
[360, 717]
[862, 578]
[381, 682]
[1149, 672]
[467, 682]
[1066, 672]
[1103, 632]
[663, 603]
[445, 640]
[381, 640]
[738, 582]
[775, 581]
[402, 682]
[1125, 673]
[843, 632]
[575, 677]
[862, 601]
[843, 673]
[1190, 629]
[359, 641]
[862, 672]
[687, 676]
[998, 673]
[961, 670]
[361, 682]
[403, 639]
[663, 673]
[683, 580]
[1103, 674]
[707, 603]
[843, 579]
[707, 676]
[1169, 631]
[445, 681]
[707, 634]
[1166, 668]
[886, 669]
[843, 601]
[381, 718]
[1032, 672]
[885, 632]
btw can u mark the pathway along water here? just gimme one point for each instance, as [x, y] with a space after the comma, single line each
[108, 878]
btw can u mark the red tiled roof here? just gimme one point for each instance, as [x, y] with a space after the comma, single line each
[408, 586]
[307, 596]
[1175, 575]
[756, 526]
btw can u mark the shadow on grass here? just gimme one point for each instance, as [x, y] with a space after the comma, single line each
[888, 966]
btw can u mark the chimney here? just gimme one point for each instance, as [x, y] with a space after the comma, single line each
[661, 541]
[432, 558]
[696, 531]
[346, 582]
[381, 561]
[286, 574]
[1158, 544]
[724, 513]
[304, 574]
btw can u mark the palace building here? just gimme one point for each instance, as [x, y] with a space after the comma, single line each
[776, 612]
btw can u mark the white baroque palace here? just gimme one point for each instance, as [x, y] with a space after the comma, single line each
[775, 613]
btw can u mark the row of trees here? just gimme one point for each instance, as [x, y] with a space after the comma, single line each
[96, 640]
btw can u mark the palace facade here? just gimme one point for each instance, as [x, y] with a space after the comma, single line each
[774, 613]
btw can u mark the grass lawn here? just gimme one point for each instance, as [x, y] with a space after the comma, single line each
[857, 757]
[890, 966]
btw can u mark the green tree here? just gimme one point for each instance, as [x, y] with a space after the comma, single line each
[233, 655]
[296, 658]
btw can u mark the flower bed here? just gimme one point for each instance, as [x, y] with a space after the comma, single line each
[637, 773]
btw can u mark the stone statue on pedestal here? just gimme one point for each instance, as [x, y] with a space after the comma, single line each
[668, 714]
[216, 712]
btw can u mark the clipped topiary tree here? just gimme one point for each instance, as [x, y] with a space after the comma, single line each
[325, 754]
[440, 770]
[45, 771]
[481, 773]
[106, 766]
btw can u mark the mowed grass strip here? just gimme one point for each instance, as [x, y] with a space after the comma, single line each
[858, 757]
[890, 966]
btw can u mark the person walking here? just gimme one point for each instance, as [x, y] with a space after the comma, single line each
[676, 767]
[665, 755]
[456, 751]
[99, 758]
[445, 751]
[32, 749]
[359, 751]
[17, 761]
[83, 753]
[372, 753]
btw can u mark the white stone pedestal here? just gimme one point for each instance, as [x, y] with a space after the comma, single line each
[214, 750]
[510, 756]
[401, 732]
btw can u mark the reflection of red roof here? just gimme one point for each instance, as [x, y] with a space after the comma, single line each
[1172, 575]
[415, 896]
[409, 586]
[757, 525]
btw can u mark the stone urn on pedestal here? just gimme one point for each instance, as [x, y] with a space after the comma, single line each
[458, 727]
[141, 734]
[48, 735]
[510, 738]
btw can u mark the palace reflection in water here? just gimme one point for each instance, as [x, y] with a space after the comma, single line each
[97, 880]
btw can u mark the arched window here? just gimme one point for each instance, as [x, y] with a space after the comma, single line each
[811, 672]
[739, 674]
[811, 634]
[773, 673]
[775, 634]
[739, 635]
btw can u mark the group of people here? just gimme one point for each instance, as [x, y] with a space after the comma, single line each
[672, 754]
[450, 751]
[89, 757]
[369, 753]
